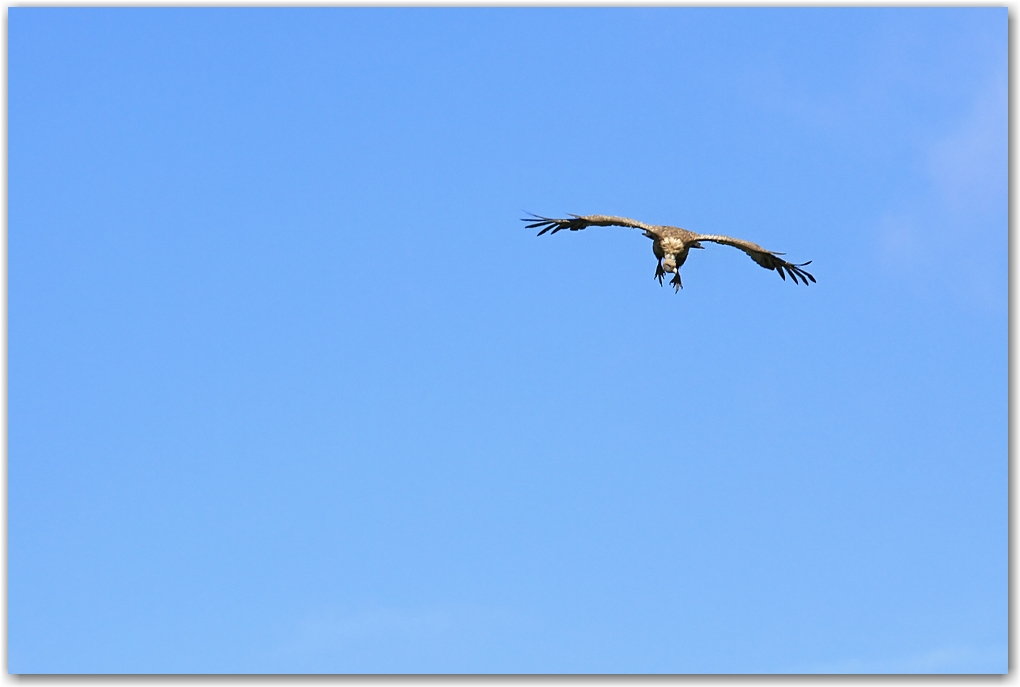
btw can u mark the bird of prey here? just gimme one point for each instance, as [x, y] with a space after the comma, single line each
[671, 244]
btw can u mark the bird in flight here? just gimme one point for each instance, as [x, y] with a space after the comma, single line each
[671, 244]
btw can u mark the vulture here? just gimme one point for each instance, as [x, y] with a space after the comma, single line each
[671, 244]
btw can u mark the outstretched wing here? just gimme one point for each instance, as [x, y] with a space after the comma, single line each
[766, 258]
[578, 222]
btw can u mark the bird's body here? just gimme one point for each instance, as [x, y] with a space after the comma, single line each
[672, 244]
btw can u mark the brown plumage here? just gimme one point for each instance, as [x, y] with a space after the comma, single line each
[671, 244]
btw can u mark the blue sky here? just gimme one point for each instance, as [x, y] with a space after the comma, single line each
[291, 389]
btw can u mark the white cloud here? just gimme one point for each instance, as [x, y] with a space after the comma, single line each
[378, 622]
[342, 639]
[328, 633]
[969, 168]
[954, 232]
[962, 659]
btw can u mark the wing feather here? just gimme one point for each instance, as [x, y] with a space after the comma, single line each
[579, 222]
[768, 259]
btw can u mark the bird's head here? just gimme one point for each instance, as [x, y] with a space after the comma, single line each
[669, 263]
